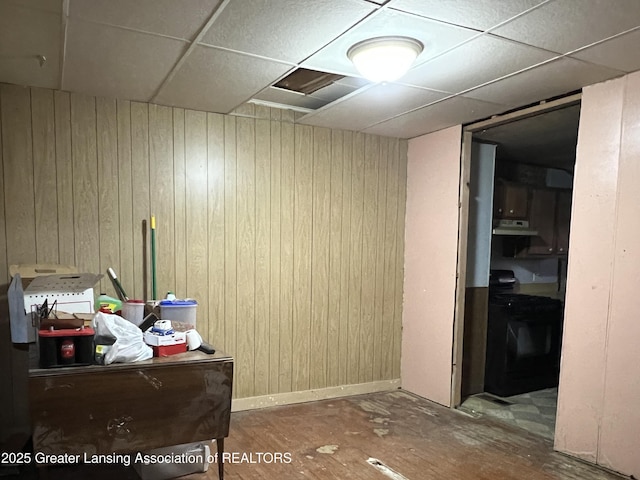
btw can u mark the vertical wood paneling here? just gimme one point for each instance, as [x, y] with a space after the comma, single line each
[195, 136]
[64, 178]
[345, 267]
[215, 184]
[140, 198]
[369, 227]
[380, 342]
[287, 136]
[275, 257]
[290, 237]
[230, 237]
[303, 204]
[125, 196]
[4, 267]
[355, 259]
[85, 182]
[246, 260]
[335, 258]
[179, 203]
[17, 157]
[320, 256]
[262, 252]
[44, 175]
[161, 194]
[108, 176]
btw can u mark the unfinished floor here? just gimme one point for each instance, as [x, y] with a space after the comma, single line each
[409, 438]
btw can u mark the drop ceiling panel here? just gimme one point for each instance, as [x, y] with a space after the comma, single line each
[621, 53]
[287, 97]
[26, 33]
[295, 29]
[51, 6]
[436, 37]
[112, 62]
[478, 14]
[370, 106]
[564, 26]
[452, 111]
[551, 79]
[478, 61]
[219, 80]
[334, 91]
[176, 18]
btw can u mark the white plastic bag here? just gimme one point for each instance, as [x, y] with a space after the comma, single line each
[129, 345]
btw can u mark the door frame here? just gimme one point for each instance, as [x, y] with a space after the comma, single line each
[463, 222]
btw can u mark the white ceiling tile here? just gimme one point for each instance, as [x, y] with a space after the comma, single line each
[218, 80]
[478, 61]
[370, 106]
[295, 29]
[564, 26]
[549, 80]
[176, 18]
[452, 111]
[479, 14]
[112, 62]
[436, 37]
[621, 53]
[51, 6]
[26, 33]
[334, 91]
[286, 97]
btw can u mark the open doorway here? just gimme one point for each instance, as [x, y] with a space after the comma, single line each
[520, 190]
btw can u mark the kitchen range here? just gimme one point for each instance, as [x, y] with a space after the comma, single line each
[523, 339]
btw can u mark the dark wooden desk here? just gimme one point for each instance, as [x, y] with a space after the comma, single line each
[126, 408]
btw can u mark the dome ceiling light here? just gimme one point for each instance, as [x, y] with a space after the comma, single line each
[384, 59]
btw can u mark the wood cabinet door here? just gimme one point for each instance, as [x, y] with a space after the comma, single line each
[510, 201]
[542, 218]
[563, 220]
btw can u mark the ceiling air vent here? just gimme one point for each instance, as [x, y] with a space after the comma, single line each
[307, 81]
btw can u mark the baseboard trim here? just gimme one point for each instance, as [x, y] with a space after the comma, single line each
[288, 398]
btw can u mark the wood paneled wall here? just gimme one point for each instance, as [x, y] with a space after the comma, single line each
[289, 236]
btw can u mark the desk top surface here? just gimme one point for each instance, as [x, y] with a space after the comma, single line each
[195, 356]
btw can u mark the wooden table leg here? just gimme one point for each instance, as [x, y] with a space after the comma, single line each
[220, 445]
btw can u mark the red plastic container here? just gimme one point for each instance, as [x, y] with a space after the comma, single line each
[166, 350]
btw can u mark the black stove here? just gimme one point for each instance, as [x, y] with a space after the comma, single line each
[523, 342]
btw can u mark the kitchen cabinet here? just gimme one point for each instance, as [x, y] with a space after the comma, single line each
[563, 220]
[550, 215]
[542, 217]
[510, 200]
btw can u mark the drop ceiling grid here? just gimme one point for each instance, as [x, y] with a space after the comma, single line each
[108, 61]
[26, 33]
[374, 105]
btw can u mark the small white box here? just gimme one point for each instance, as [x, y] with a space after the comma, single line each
[71, 293]
[160, 340]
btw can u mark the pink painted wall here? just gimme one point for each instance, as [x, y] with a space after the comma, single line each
[431, 242]
[599, 394]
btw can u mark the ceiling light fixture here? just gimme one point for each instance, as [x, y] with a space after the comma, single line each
[384, 59]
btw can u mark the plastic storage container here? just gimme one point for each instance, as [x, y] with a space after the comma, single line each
[133, 310]
[179, 310]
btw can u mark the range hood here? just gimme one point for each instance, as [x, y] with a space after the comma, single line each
[513, 227]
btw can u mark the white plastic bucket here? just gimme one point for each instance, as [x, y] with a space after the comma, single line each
[133, 310]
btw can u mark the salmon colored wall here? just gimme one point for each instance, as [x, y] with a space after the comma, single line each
[598, 416]
[431, 242]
